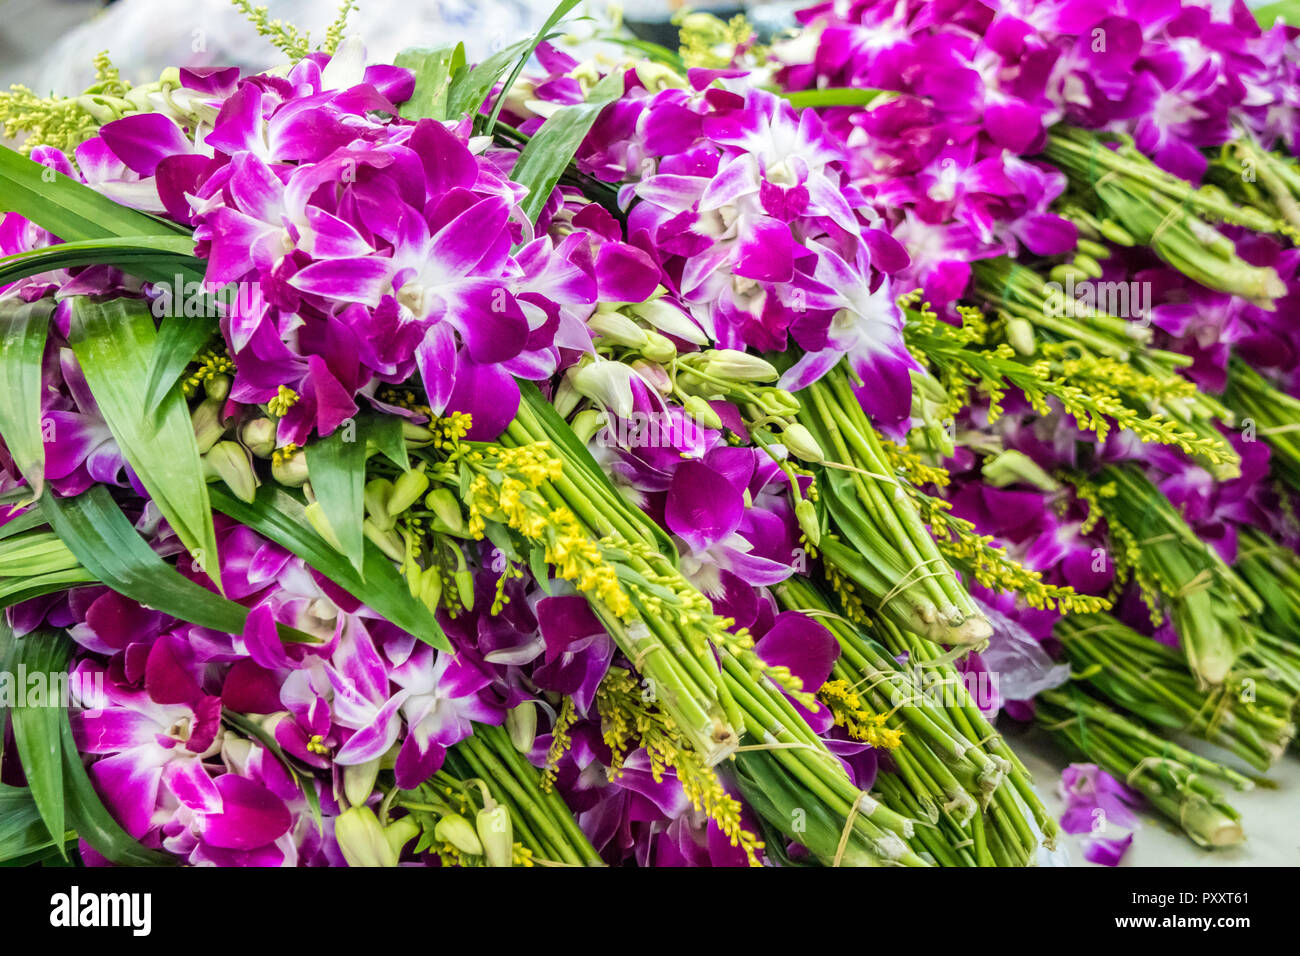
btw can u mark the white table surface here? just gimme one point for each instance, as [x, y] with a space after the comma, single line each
[1271, 817]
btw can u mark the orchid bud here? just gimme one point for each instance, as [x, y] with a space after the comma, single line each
[217, 388]
[1094, 249]
[359, 781]
[1088, 264]
[1116, 233]
[416, 435]
[587, 423]
[521, 725]
[229, 462]
[659, 348]
[459, 832]
[465, 588]
[258, 437]
[208, 427]
[386, 540]
[806, 514]
[317, 519]
[566, 398]
[741, 366]
[799, 442]
[399, 833]
[606, 383]
[777, 401]
[408, 488]
[617, 329]
[1020, 333]
[99, 111]
[378, 492]
[290, 471]
[366, 842]
[496, 834]
[702, 412]
[430, 588]
[446, 510]
[656, 77]
[1011, 466]
[671, 319]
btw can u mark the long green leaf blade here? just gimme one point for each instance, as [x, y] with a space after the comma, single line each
[22, 832]
[277, 515]
[113, 341]
[41, 657]
[337, 465]
[67, 208]
[434, 71]
[104, 541]
[156, 255]
[24, 327]
[562, 10]
[553, 147]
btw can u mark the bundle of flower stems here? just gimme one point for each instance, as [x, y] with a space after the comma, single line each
[971, 798]
[1173, 780]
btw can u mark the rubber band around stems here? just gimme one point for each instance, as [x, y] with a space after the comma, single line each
[848, 829]
[904, 581]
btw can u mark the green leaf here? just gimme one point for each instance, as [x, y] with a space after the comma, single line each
[16, 590]
[105, 542]
[277, 515]
[434, 70]
[469, 88]
[165, 255]
[179, 339]
[337, 466]
[561, 11]
[24, 327]
[113, 342]
[76, 213]
[21, 831]
[385, 433]
[831, 96]
[36, 723]
[67, 208]
[552, 148]
[87, 815]
[1288, 10]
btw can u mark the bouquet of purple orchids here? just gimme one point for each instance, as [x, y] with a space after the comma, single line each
[676, 457]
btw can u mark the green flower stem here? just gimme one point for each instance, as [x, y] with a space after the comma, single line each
[466, 764]
[529, 798]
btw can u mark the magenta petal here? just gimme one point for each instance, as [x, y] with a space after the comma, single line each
[190, 784]
[251, 815]
[487, 394]
[169, 674]
[490, 321]
[128, 784]
[261, 639]
[563, 620]
[703, 506]
[625, 273]
[766, 252]
[436, 358]
[1106, 852]
[362, 280]
[798, 642]
[143, 140]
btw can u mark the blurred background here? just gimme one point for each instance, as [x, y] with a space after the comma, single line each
[48, 45]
